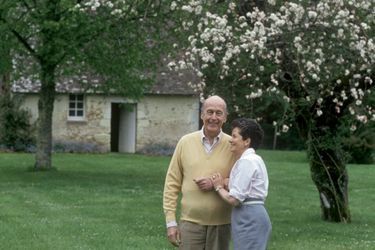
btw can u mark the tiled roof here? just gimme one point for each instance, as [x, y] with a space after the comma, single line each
[71, 85]
[167, 83]
[171, 82]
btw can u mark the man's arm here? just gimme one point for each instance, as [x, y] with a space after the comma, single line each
[172, 188]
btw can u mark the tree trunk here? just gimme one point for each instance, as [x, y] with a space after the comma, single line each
[44, 126]
[328, 172]
[4, 83]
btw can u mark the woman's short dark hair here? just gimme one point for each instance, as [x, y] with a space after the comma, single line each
[249, 128]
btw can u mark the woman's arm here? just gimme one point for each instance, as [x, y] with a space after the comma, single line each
[226, 184]
[226, 197]
[219, 185]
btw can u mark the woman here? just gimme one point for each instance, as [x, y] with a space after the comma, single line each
[248, 188]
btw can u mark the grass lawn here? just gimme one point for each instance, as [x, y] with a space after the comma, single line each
[114, 201]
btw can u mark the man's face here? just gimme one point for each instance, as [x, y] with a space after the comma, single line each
[213, 116]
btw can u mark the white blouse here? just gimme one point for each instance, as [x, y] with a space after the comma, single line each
[248, 178]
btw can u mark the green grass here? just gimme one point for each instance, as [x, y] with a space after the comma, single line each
[293, 205]
[114, 201]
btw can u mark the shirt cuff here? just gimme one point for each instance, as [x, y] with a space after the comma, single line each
[171, 224]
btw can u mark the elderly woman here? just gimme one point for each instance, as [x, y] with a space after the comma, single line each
[248, 188]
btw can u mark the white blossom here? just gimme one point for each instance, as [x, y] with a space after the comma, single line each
[187, 8]
[332, 46]
[312, 14]
[353, 128]
[351, 110]
[271, 2]
[362, 118]
[285, 128]
[173, 5]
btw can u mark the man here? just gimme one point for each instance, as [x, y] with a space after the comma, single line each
[205, 217]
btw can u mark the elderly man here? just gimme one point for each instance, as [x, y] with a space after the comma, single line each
[205, 218]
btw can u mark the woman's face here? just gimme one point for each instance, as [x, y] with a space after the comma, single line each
[238, 144]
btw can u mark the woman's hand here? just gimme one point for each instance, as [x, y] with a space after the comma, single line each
[217, 180]
[220, 185]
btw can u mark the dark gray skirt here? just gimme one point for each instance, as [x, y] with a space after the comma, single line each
[251, 227]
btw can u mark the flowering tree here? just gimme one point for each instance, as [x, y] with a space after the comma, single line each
[57, 39]
[314, 58]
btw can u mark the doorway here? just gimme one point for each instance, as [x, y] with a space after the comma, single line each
[123, 127]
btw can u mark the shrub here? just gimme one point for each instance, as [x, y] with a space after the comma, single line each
[76, 147]
[361, 146]
[157, 149]
[16, 132]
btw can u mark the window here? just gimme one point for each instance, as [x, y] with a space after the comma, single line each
[76, 108]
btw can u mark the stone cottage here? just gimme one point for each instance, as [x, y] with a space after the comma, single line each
[113, 123]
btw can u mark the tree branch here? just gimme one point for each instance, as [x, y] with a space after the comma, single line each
[24, 42]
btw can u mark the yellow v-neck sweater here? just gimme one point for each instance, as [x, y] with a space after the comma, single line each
[191, 161]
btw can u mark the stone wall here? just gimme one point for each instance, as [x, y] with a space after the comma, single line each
[161, 120]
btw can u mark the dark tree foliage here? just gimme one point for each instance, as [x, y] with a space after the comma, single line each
[15, 128]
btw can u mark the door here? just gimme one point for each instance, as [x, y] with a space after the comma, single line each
[127, 128]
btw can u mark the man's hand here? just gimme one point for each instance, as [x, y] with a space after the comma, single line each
[174, 236]
[204, 183]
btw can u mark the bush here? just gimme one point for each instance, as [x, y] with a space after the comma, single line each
[16, 132]
[284, 141]
[157, 149]
[361, 146]
[76, 147]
